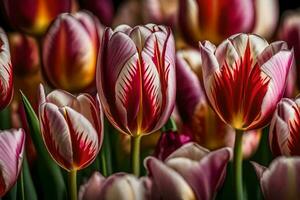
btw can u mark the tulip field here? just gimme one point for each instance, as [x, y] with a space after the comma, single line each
[149, 99]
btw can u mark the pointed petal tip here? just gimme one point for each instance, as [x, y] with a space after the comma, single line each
[259, 169]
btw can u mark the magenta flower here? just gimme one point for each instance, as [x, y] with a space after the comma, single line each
[281, 180]
[284, 136]
[245, 78]
[11, 157]
[71, 128]
[136, 77]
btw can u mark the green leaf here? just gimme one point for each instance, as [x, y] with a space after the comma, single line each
[50, 176]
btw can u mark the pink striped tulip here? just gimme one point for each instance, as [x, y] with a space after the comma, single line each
[284, 136]
[34, 16]
[245, 78]
[136, 77]
[11, 157]
[71, 127]
[119, 186]
[281, 180]
[191, 172]
[70, 52]
[6, 74]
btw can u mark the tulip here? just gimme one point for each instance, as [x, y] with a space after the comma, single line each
[11, 157]
[70, 52]
[244, 79]
[6, 74]
[191, 172]
[72, 130]
[200, 121]
[284, 129]
[281, 180]
[24, 54]
[137, 87]
[34, 16]
[103, 9]
[119, 186]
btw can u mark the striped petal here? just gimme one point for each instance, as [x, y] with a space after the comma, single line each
[11, 157]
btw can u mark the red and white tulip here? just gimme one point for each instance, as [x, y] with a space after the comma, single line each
[136, 77]
[11, 156]
[245, 78]
[71, 128]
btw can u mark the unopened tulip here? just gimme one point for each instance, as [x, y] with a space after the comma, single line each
[284, 134]
[24, 54]
[11, 157]
[281, 180]
[71, 128]
[119, 186]
[6, 74]
[191, 172]
[137, 86]
[34, 16]
[70, 51]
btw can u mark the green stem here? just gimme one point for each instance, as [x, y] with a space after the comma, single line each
[22, 185]
[72, 184]
[103, 163]
[135, 154]
[238, 165]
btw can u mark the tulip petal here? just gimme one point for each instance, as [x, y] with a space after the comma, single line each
[91, 189]
[191, 150]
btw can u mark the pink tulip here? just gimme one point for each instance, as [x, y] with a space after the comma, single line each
[284, 134]
[71, 127]
[136, 77]
[70, 51]
[281, 180]
[119, 186]
[245, 78]
[6, 74]
[34, 16]
[11, 157]
[191, 172]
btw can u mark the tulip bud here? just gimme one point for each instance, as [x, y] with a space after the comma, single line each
[137, 86]
[11, 157]
[71, 128]
[34, 16]
[191, 172]
[118, 186]
[24, 54]
[70, 52]
[245, 78]
[6, 74]
[281, 180]
[284, 130]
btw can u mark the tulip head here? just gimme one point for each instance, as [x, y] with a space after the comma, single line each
[191, 172]
[11, 157]
[24, 54]
[70, 51]
[34, 16]
[6, 74]
[137, 86]
[118, 186]
[281, 180]
[71, 128]
[284, 136]
[244, 79]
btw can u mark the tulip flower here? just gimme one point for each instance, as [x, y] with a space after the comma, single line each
[244, 79]
[191, 172]
[119, 186]
[24, 54]
[199, 120]
[11, 157]
[6, 74]
[137, 86]
[284, 129]
[281, 180]
[72, 130]
[70, 59]
[34, 16]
